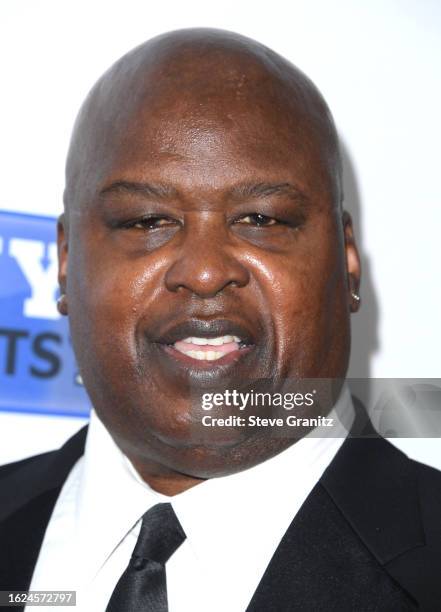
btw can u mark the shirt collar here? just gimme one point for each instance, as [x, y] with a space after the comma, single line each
[252, 508]
[110, 499]
[244, 516]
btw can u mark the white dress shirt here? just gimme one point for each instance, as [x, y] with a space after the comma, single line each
[233, 524]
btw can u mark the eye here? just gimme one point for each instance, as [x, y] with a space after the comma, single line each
[149, 223]
[257, 219]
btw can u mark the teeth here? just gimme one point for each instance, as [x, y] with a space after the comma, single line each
[199, 341]
[192, 346]
[204, 355]
[221, 340]
[213, 355]
[211, 341]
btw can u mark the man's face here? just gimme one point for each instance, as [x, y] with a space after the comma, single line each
[204, 225]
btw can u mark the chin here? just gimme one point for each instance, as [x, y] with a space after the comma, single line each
[210, 461]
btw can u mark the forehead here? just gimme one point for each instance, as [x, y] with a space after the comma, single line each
[212, 146]
[206, 121]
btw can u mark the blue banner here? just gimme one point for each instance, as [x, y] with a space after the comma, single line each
[38, 373]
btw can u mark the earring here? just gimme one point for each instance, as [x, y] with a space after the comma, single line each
[355, 304]
[62, 304]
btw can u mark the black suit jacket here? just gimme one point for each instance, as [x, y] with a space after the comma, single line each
[368, 537]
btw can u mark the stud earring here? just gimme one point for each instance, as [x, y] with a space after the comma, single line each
[355, 296]
[62, 304]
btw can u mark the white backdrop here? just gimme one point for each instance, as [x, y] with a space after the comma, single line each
[377, 64]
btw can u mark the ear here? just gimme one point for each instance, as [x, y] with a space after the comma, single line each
[62, 244]
[353, 266]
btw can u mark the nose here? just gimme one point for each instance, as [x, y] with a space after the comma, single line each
[205, 264]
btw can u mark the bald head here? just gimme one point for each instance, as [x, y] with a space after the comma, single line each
[204, 82]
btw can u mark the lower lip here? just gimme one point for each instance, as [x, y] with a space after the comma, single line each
[205, 364]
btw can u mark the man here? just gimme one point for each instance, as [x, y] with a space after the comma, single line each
[203, 248]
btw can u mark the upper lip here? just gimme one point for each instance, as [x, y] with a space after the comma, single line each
[204, 328]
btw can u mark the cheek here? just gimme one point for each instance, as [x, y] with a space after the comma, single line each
[105, 293]
[305, 294]
[110, 284]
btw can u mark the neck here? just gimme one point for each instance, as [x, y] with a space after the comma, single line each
[165, 481]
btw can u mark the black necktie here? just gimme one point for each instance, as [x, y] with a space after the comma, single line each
[142, 587]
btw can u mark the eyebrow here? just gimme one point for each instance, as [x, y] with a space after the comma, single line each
[145, 189]
[242, 191]
[250, 190]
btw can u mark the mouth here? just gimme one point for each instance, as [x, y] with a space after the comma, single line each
[204, 344]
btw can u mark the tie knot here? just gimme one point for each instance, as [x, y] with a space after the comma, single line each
[160, 536]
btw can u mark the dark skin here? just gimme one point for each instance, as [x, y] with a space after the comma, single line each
[202, 205]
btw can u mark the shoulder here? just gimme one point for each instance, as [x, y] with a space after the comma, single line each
[393, 503]
[36, 462]
[391, 500]
[401, 473]
[429, 488]
[22, 481]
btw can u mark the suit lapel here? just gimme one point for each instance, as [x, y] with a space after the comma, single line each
[361, 515]
[321, 564]
[374, 486]
[29, 490]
